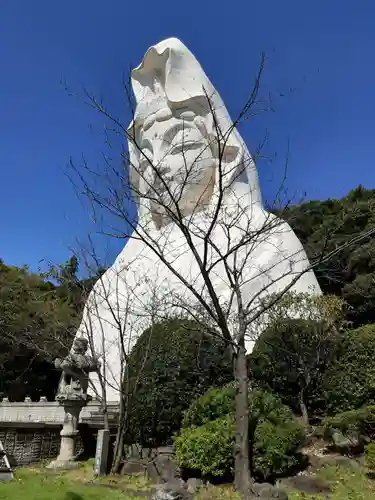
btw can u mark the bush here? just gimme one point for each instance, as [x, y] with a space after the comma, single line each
[370, 456]
[277, 447]
[290, 359]
[171, 364]
[213, 404]
[208, 448]
[276, 436]
[360, 422]
[350, 381]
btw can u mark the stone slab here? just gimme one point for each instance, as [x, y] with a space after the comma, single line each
[102, 451]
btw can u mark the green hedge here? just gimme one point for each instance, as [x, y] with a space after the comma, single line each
[350, 381]
[206, 441]
[171, 364]
[287, 355]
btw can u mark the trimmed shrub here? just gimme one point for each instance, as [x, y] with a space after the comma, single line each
[290, 359]
[350, 381]
[207, 448]
[172, 364]
[217, 402]
[213, 404]
[276, 436]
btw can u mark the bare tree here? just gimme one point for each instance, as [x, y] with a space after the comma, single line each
[200, 232]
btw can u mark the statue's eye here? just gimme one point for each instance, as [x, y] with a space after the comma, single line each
[186, 146]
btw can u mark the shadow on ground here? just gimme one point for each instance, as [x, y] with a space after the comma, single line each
[70, 495]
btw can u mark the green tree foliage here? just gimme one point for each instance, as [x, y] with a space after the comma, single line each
[35, 325]
[206, 441]
[350, 380]
[171, 364]
[324, 225]
[69, 285]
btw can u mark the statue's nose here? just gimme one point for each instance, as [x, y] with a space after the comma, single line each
[162, 171]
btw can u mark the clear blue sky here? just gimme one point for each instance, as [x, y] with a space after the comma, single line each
[325, 49]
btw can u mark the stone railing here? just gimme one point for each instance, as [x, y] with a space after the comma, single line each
[30, 431]
[46, 412]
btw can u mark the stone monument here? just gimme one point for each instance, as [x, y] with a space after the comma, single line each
[178, 123]
[73, 396]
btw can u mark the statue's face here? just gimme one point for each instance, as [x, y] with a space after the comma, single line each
[79, 346]
[183, 160]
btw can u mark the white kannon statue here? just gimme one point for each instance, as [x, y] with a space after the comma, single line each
[178, 118]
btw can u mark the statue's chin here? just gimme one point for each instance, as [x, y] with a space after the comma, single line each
[194, 200]
[161, 218]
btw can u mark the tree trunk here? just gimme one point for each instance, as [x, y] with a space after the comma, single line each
[118, 450]
[105, 419]
[119, 441]
[125, 402]
[242, 477]
[302, 406]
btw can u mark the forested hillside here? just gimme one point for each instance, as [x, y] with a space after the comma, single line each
[39, 314]
[324, 225]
